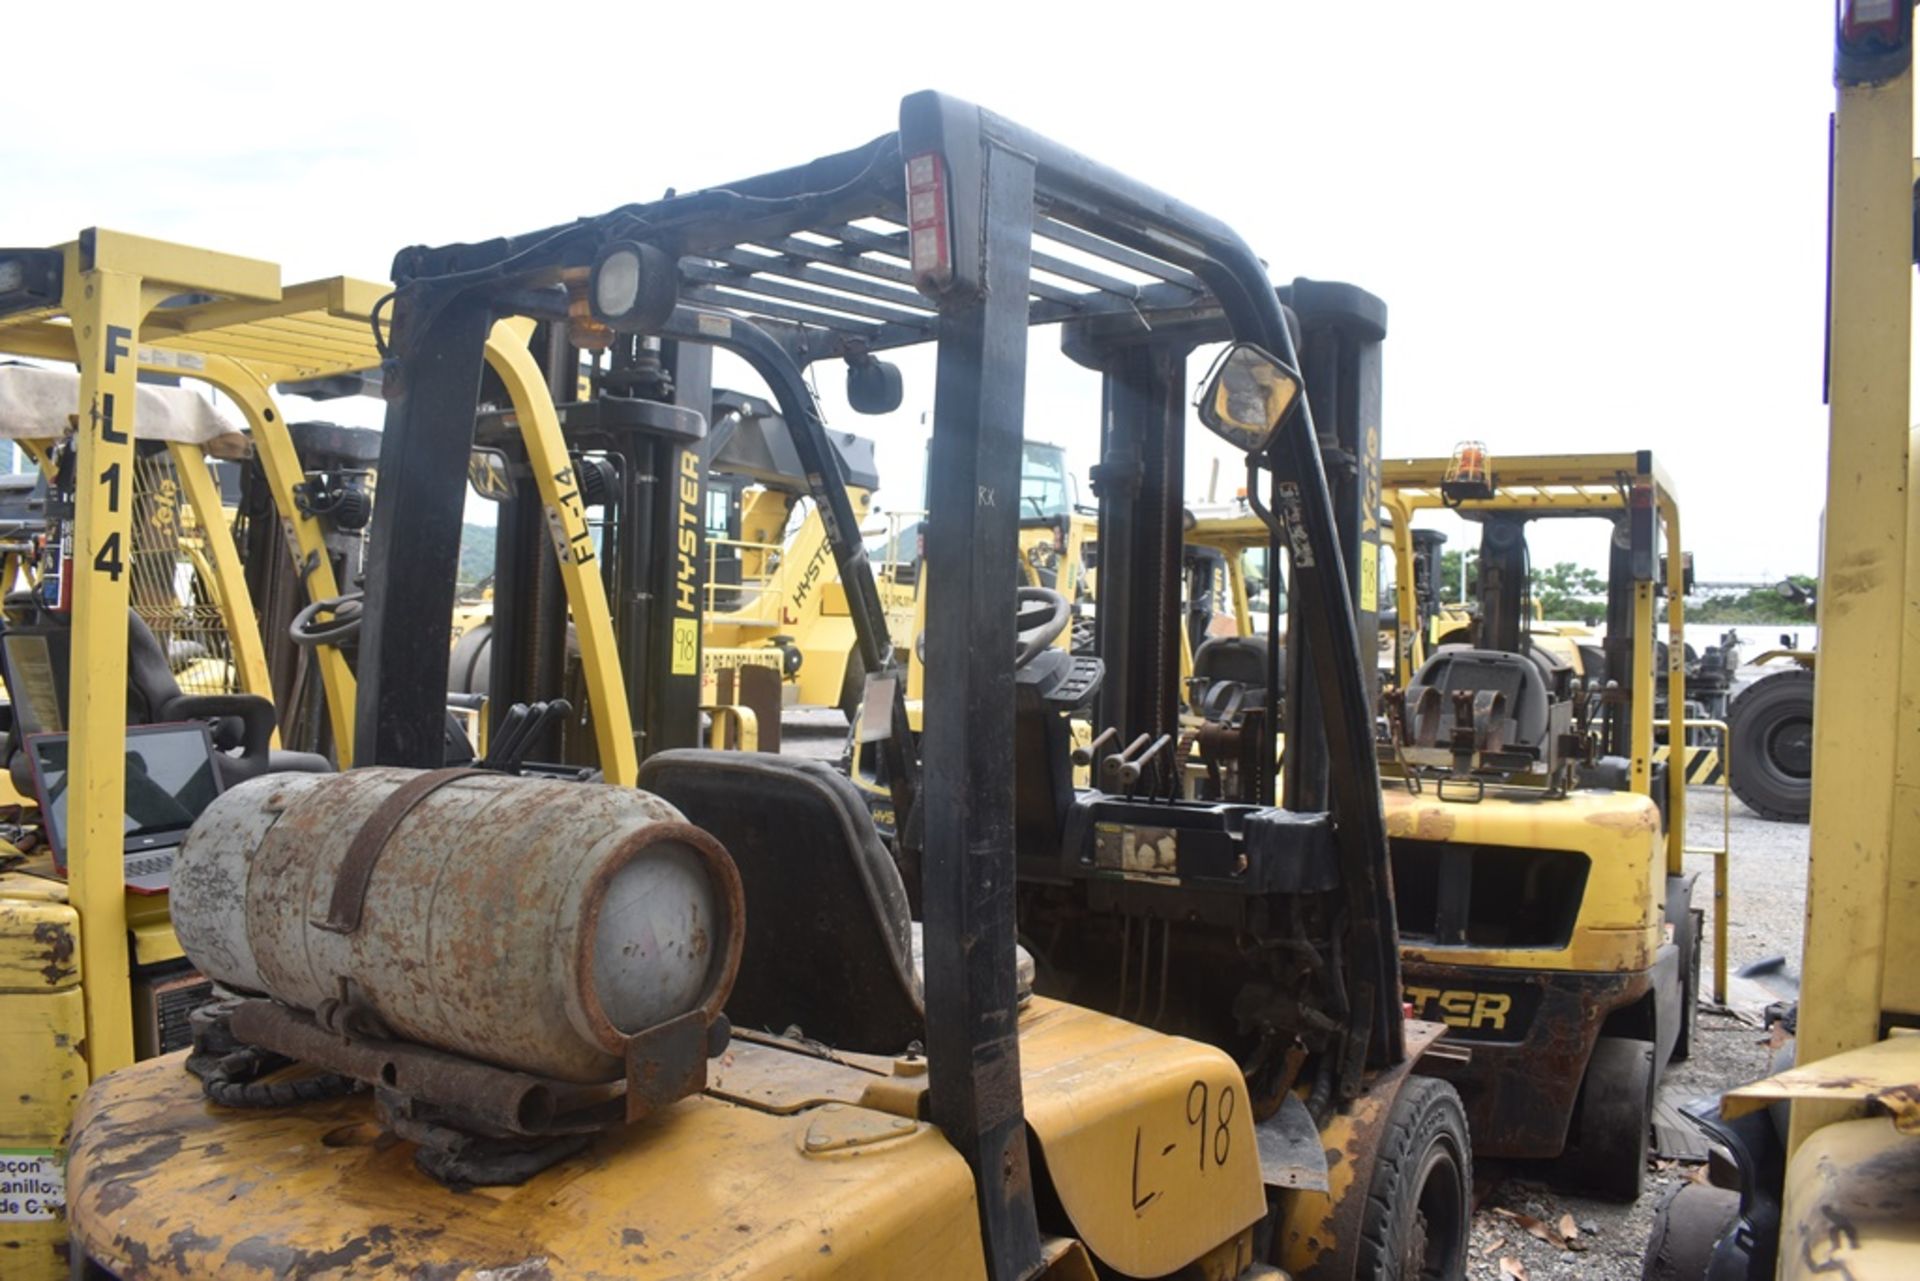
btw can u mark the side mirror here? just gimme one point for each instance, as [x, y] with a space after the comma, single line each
[487, 473]
[873, 386]
[1248, 398]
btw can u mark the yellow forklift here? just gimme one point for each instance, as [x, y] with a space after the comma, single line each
[555, 1027]
[772, 578]
[1544, 909]
[1539, 833]
[135, 565]
[1817, 1171]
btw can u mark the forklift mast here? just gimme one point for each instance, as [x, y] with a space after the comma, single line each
[1342, 328]
[1505, 590]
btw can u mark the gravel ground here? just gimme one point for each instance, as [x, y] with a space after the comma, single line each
[1767, 899]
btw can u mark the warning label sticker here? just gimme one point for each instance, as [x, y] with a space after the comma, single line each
[33, 1186]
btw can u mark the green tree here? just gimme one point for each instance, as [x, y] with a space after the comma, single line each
[1777, 604]
[1449, 583]
[1567, 591]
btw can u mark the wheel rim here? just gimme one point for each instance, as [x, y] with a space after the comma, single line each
[1789, 746]
[1438, 1237]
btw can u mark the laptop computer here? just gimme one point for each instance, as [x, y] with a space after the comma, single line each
[171, 779]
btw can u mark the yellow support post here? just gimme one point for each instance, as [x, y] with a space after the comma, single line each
[508, 356]
[306, 541]
[1409, 645]
[106, 308]
[1676, 689]
[1857, 740]
[1642, 686]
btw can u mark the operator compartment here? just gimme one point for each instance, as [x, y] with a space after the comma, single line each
[511, 965]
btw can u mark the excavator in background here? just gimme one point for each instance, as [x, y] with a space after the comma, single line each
[1817, 1167]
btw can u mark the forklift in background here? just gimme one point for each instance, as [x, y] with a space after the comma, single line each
[1818, 1166]
[773, 578]
[777, 624]
[803, 1102]
[136, 558]
[1535, 883]
[1544, 905]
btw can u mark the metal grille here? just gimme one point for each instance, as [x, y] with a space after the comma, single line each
[172, 584]
[851, 280]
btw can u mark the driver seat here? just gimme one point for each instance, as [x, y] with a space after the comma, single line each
[1230, 675]
[829, 943]
[829, 946]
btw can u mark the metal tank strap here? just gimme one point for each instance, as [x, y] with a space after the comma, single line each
[356, 869]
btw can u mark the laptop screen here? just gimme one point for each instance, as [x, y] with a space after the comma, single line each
[170, 780]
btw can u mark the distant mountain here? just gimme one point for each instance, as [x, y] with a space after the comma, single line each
[476, 553]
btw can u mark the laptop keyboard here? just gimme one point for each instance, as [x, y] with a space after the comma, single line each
[156, 863]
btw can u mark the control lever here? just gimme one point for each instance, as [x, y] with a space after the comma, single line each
[519, 729]
[1131, 770]
[1083, 756]
[1111, 766]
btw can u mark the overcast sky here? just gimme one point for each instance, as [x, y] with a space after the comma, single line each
[1596, 227]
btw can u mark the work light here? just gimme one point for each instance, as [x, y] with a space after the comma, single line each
[634, 287]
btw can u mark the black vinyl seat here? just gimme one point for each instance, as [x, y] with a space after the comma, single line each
[1229, 673]
[829, 944]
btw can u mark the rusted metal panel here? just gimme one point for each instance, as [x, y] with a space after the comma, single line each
[165, 1187]
[529, 923]
[1885, 1074]
[1530, 1034]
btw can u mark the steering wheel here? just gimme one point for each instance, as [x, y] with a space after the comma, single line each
[341, 622]
[1040, 615]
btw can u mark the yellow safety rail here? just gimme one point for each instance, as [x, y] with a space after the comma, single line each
[754, 591]
[1721, 853]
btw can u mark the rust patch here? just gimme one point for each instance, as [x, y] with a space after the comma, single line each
[358, 1135]
[118, 1180]
[57, 939]
[371, 1251]
[1904, 1102]
[186, 1239]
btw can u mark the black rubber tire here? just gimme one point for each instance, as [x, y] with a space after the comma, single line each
[1770, 723]
[1606, 1153]
[1686, 1227]
[1690, 986]
[1419, 1210]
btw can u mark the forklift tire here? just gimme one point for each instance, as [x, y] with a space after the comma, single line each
[1419, 1211]
[1686, 1228]
[1771, 725]
[1690, 985]
[1606, 1152]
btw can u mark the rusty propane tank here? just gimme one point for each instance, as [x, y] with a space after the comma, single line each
[529, 923]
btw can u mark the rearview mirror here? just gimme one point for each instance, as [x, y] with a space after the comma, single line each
[1249, 398]
[487, 473]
